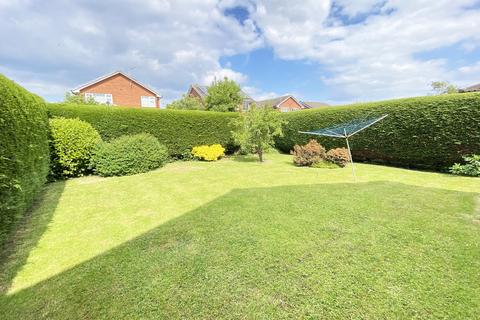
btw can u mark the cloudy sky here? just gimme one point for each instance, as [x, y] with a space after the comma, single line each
[333, 51]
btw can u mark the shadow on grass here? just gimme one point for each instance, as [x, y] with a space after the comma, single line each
[27, 234]
[371, 250]
[244, 158]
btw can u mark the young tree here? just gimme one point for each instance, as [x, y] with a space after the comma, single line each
[186, 103]
[443, 87]
[78, 99]
[223, 96]
[255, 130]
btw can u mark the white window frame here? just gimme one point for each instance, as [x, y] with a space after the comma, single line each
[246, 105]
[284, 109]
[102, 98]
[151, 104]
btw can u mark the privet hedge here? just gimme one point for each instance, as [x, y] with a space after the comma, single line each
[24, 155]
[425, 132]
[178, 130]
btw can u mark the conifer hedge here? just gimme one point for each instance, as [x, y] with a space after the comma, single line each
[24, 156]
[425, 132]
[178, 130]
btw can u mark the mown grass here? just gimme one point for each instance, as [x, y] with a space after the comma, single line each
[239, 239]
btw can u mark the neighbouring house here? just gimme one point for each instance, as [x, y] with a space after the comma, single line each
[119, 89]
[284, 103]
[314, 104]
[200, 92]
[474, 88]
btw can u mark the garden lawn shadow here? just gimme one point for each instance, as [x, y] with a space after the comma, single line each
[28, 232]
[319, 251]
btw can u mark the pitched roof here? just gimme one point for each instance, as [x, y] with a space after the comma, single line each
[314, 104]
[473, 88]
[88, 84]
[203, 91]
[275, 102]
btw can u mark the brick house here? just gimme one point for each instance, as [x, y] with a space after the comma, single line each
[284, 103]
[201, 92]
[119, 89]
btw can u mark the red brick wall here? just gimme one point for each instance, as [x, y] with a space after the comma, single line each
[291, 104]
[124, 91]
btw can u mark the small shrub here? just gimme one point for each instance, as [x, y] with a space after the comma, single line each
[324, 164]
[72, 142]
[130, 154]
[208, 153]
[339, 156]
[308, 154]
[471, 168]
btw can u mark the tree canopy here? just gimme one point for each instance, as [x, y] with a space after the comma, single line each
[255, 130]
[186, 103]
[78, 99]
[223, 95]
[443, 87]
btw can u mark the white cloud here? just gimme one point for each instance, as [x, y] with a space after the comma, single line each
[258, 94]
[166, 44]
[222, 73]
[375, 58]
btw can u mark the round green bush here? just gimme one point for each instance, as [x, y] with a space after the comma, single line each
[72, 143]
[130, 154]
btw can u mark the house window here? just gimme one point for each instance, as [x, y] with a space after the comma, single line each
[103, 98]
[246, 105]
[284, 109]
[148, 101]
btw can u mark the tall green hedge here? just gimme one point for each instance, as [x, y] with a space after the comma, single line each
[178, 130]
[24, 151]
[425, 132]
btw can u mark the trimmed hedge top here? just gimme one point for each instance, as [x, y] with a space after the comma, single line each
[24, 155]
[178, 130]
[425, 132]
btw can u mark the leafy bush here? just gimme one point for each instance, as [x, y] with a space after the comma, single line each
[72, 142]
[130, 154]
[425, 132]
[208, 153]
[471, 168]
[339, 156]
[324, 164]
[178, 130]
[308, 154]
[23, 152]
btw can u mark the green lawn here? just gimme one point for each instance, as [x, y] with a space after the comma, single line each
[240, 239]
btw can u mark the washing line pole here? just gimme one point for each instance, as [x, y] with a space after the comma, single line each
[350, 154]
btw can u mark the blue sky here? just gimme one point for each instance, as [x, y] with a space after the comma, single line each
[319, 50]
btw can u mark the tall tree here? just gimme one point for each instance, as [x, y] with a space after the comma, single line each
[256, 129]
[443, 87]
[223, 95]
[186, 103]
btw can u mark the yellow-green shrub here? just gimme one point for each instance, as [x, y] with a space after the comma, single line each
[208, 153]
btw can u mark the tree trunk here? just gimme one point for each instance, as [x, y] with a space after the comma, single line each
[260, 154]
